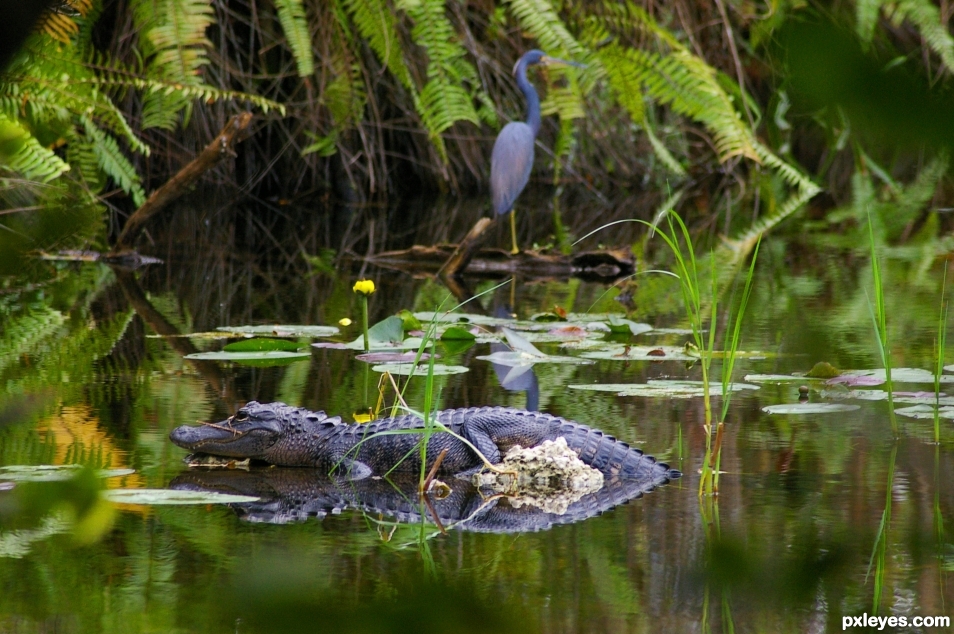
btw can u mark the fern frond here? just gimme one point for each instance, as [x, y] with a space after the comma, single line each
[113, 162]
[926, 16]
[376, 24]
[866, 17]
[539, 18]
[291, 13]
[444, 100]
[58, 26]
[22, 154]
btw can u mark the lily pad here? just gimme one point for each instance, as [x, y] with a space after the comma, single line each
[170, 496]
[263, 358]
[409, 369]
[640, 353]
[809, 408]
[902, 375]
[620, 326]
[778, 378]
[387, 334]
[853, 380]
[456, 333]
[262, 344]
[925, 412]
[277, 330]
[392, 357]
[53, 473]
[662, 388]
[925, 398]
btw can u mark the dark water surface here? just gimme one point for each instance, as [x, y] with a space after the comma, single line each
[790, 545]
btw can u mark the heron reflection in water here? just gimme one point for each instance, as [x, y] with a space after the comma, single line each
[512, 158]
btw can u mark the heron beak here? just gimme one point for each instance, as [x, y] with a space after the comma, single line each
[556, 61]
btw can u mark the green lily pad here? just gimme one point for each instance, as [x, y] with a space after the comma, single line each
[387, 334]
[409, 369]
[462, 318]
[640, 353]
[925, 412]
[262, 344]
[172, 496]
[902, 375]
[409, 321]
[620, 326]
[456, 333]
[277, 330]
[264, 358]
[810, 408]
[53, 473]
[524, 353]
[778, 378]
[662, 388]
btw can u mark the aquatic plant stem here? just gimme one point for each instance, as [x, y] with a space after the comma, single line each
[940, 343]
[880, 319]
[364, 321]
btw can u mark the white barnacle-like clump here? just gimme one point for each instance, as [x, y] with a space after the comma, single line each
[550, 476]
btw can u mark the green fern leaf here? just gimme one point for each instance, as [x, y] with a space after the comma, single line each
[22, 154]
[376, 23]
[927, 17]
[113, 162]
[291, 13]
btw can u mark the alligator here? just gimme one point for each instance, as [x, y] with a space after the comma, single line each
[295, 437]
[297, 495]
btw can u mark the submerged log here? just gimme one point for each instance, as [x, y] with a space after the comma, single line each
[235, 131]
[606, 265]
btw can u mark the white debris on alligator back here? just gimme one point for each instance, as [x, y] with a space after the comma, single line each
[215, 462]
[549, 476]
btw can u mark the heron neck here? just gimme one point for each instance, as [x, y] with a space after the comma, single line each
[530, 93]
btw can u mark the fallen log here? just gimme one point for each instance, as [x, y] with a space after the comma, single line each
[235, 131]
[605, 265]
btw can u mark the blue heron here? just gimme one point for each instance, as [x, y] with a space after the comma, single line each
[512, 159]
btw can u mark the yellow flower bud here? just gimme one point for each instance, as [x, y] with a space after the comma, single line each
[365, 287]
[344, 322]
[364, 415]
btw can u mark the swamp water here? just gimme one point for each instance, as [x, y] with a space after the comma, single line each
[820, 515]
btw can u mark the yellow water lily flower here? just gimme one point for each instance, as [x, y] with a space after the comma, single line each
[344, 322]
[365, 287]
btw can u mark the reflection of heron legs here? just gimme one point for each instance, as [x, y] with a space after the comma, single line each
[513, 232]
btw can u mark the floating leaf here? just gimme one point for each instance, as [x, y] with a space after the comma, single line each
[387, 334]
[902, 375]
[823, 370]
[260, 344]
[282, 330]
[406, 369]
[456, 333]
[853, 380]
[929, 398]
[547, 317]
[393, 357]
[53, 473]
[170, 496]
[660, 388]
[778, 378]
[620, 326]
[264, 358]
[925, 411]
[409, 321]
[640, 353]
[809, 408]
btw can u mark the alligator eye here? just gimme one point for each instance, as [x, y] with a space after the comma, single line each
[240, 416]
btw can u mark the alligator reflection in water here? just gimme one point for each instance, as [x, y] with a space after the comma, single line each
[288, 495]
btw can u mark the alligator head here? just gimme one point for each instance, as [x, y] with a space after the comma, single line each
[273, 432]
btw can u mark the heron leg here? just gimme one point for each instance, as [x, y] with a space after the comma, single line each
[513, 232]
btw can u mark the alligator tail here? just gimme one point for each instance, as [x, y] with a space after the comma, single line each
[614, 458]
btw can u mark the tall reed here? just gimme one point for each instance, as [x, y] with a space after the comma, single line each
[880, 319]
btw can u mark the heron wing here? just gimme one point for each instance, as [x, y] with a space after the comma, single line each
[510, 165]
